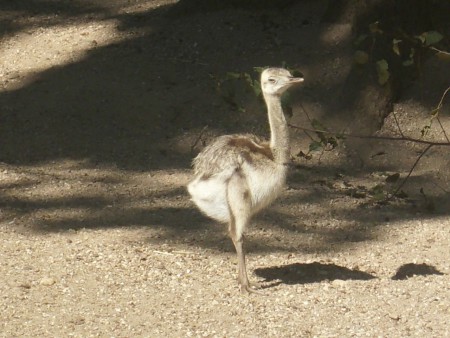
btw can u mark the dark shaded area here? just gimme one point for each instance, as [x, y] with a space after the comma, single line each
[125, 103]
[300, 273]
[189, 7]
[103, 107]
[368, 102]
[411, 269]
[176, 220]
[133, 103]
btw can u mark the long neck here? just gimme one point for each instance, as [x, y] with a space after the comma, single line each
[279, 133]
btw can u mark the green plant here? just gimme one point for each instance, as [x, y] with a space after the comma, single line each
[227, 87]
[395, 46]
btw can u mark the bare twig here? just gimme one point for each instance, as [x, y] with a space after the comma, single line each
[373, 137]
[398, 124]
[306, 112]
[429, 144]
[163, 253]
[439, 187]
[410, 171]
[439, 50]
[307, 134]
[173, 253]
[442, 127]
[439, 106]
[309, 119]
[198, 138]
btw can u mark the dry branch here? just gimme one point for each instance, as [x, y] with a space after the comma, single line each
[373, 137]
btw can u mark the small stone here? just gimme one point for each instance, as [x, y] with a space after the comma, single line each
[78, 320]
[339, 282]
[394, 316]
[47, 281]
[25, 285]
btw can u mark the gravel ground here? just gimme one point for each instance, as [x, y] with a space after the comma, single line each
[114, 283]
[147, 281]
[98, 236]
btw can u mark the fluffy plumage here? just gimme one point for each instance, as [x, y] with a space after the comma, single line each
[238, 175]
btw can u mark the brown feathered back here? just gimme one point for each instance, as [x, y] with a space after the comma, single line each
[229, 152]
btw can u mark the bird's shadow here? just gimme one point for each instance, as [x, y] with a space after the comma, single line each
[300, 273]
[411, 269]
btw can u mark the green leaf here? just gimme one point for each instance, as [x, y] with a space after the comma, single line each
[332, 142]
[421, 37]
[375, 27]
[315, 146]
[383, 71]
[259, 69]
[378, 193]
[320, 130]
[248, 78]
[360, 57]
[296, 72]
[286, 99]
[432, 37]
[410, 61]
[257, 88]
[318, 125]
[379, 196]
[425, 130]
[233, 76]
[407, 63]
[393, 178]
[395, 48]
[360, 39]
[377, 189]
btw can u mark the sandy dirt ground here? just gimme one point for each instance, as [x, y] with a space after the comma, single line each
[103, 106]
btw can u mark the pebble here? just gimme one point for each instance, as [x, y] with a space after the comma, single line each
[339, 282]
[47, 281]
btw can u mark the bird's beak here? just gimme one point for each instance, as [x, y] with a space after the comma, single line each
[293, 80]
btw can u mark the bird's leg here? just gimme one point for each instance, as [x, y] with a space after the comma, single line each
[244, 284]
[239, 202]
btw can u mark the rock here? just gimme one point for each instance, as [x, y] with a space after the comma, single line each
[47, 281]
[339, 282]
[25, 285]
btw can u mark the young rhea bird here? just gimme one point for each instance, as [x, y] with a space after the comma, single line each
[238, 175]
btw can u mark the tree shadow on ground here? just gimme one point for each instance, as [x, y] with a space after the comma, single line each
[300, 273]
[42, 13]
[299, 222]
[135, 102]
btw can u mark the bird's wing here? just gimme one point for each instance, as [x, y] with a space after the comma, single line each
[228, 153]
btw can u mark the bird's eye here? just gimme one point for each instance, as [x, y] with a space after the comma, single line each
[272, 80]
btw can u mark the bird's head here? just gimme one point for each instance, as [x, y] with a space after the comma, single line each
[275, 81]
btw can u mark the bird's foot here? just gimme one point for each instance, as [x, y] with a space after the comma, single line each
[250, 288]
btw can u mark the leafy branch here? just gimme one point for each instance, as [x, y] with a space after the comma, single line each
[229, 86]
[379, 46]
[326, 135]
